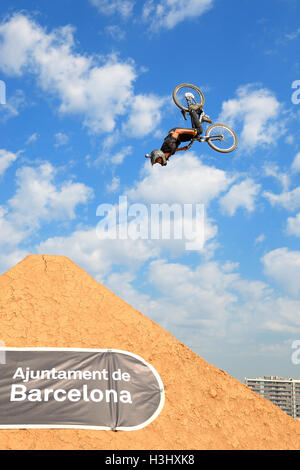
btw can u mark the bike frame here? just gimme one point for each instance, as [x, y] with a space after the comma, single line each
[205, 139]
[200, 120]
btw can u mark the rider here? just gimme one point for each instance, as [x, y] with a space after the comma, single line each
[177, 135]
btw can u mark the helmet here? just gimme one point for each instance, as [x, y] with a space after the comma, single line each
[155, 155]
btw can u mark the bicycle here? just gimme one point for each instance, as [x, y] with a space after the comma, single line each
[219, 137]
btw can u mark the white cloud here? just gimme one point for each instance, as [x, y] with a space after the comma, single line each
[295, 167]
[6, 160]
[279, 314]
[166, 14]
[107, 155]
[118, 157]
[145, 115]
[99, 89]
[208, 301]
[211, 300]
[293, 35]
[110, 7]
[121, 283]
[261, 238]
[293, 225]
[290, 200]
[10, 235]
[13, 105]
[290, 139]
[96, 255]
[99, 255]
[97, 92]
[11, 257]
[32, 138]
[257, 109]
[283, 266]
[60, 139]
[197, 297]
[273, 170]
[185, 180]
[20, 37]
[172, 228]
[240, 195]
[251, 291]
[115, 32]
[114, 185]
[162, 275]
[38, 198]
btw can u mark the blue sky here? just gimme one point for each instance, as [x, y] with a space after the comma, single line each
[88, 93]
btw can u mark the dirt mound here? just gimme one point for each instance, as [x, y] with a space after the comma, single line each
[50, 301]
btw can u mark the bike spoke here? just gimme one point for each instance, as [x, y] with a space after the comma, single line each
[227, 140]
[182, 99]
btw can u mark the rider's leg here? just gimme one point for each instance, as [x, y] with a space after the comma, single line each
[196, 124]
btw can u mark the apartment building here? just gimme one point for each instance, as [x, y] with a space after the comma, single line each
[284, 393]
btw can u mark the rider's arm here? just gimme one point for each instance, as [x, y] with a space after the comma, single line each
[177, 132]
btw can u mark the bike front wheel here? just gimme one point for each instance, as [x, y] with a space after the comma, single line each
[180, 91]
[221, 138]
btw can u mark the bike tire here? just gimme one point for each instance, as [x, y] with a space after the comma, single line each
[187, 85]
[209, 133]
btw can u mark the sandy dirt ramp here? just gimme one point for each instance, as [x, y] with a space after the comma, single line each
[50, 301]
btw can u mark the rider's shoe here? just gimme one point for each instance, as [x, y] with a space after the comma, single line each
[207, 119]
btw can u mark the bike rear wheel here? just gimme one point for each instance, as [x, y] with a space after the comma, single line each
[221, 138]
[179, 95]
